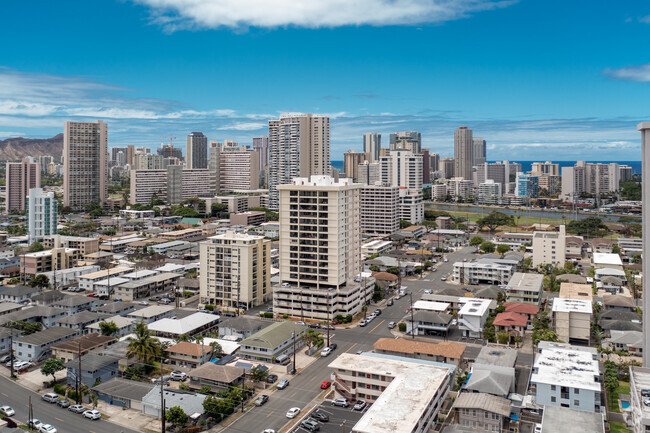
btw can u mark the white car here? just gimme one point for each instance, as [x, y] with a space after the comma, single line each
[178, 375]
[47, 428]
[291, 413]
[268, 430]
[428, 292]
[538, 428]
[92, 414]
[7, 411]
[35, 423]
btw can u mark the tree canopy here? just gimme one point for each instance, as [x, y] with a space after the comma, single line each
[51, 367]
[495, 219]
[590, 226]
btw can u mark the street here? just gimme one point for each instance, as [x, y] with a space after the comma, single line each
[65, 421]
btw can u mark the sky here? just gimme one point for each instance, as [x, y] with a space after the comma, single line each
[537, 79]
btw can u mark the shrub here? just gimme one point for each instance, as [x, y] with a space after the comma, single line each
[72, 395]
[348, 318]
[267, 315]
[59, 389]
[184, 387]
[401, 326]
[209, 307]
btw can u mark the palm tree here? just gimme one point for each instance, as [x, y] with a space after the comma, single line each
[199, 340]
[217, 350]
[182, 338]
[143, 345]
[258, 374]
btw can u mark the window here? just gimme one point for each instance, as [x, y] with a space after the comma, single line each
[553, 399]
[576, 402]
[552, 387]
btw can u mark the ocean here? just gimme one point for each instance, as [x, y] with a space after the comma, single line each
[526, 165]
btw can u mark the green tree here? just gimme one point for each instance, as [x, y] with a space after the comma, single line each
[401, 326]
[495, 219]
[590, 226]
[36, 247]
[503, 337]
[487, 246]
[108, 328]
[216, 351]
[270, 215]
[176, 416]
[258, 374]
[51, 367]
[429, 225]
[404, 224]
[544, 335]
[503, 248]
[476, 241]
[218, 407]
[143, 345]
[219, 210]
[312, 338]
[375, 268]
[393, 270]
[39, 280]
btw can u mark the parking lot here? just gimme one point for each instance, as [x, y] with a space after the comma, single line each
[340, 419]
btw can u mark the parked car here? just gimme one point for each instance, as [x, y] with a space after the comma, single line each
[310, 424]
[283, 384]
[391, 325]
[92, 414]
[63, 403]
[340, 402]
[538, 428]
[35, 424]
[333, 346]
[261, 400]
[320, 416]
[47, 428]
[178, 375]
[326, 384]
[51, 397]
[363, 323]
[5, 359]
[326, 351]
[77, 408]
[7, 411]
[272, 378]
[359, 405]
[291, 413]
[390, 303]
[377, 312]
[141, 302]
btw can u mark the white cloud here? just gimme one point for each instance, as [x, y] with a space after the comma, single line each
[243, 126]
[630, 73]
[180, 14]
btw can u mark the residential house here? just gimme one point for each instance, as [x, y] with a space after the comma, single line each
[80, 321]
[186, 354]
[241, 326]
[217, 377]
[18, 294]
[190, 402]
[574, 247]
[525, 287]
[95, 369]
[528, 310]
[449, 352]
[618, 302]
[479, 412]
[610, 284]
[125, 325]
[627, 341]
[493, 372]
[151, 313]
[472, 316]
[424, 322]
[513, 323]
[36, 346]
[273, 341]
[116, 308]
[70, 349]
[602, 246]
[7, 307]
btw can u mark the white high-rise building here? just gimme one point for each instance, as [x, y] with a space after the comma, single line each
[369, 173]
[402, 168]
[85, 163]
[644, 127]
[489, 192]
[320, 249]
[41, 211]
[372, 146]
[380, 209]
[235, 270]
[463, 153]
[299, 146]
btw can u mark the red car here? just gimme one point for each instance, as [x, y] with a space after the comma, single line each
[326, 384]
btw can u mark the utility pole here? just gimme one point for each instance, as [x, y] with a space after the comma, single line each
[293, 371]
[11, 352]
[79, 374]
[412, 322]
[243, 390]
[162, 397]
[30, 413]
[364, 307]
[328, 318]
[399, 274]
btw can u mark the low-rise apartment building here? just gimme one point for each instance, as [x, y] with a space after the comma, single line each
[85, 245]
[572, 320]
[549, 247]
[406, 396]
[525, 287]
[273, 341]
[84, 344]
[473, 315]
[145, 287]
[48, 260]
[449, 352]
[87, 281]
[36, 346]
[639, 411]
[480, 412]
[188, 355]
[482, 273]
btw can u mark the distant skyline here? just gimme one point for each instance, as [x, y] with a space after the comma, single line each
[551, 80]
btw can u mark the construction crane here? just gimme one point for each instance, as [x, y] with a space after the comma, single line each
[171, 143]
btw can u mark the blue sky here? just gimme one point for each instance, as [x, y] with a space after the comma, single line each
[538, 79]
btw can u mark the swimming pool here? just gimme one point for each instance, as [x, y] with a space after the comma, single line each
[625, 404]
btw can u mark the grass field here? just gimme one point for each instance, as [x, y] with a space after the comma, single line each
[623, 388]
[618, 427]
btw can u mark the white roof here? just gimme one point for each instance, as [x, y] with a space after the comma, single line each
[183, 326]
[170, 267]
[610, 271]
[115, 281]
[566, 367]
[569, 305]
[120, 321]
[150, 311]
[142, 273]
[404, 401]
[112, 242]
[430, 305]
[228, 347]
[473, 306]
[607, 259]
[104, 273]
[377, 243]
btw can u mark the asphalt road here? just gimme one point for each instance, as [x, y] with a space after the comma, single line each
[65, 421]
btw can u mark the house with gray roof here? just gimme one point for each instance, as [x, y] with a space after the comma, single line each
[618, 302]
[80, 320]
[36, 346]
[429, 323]
[9, 307]
[628, 341]
[190, 402]
[123, 393]
[125, 325]
[241, 326]
[93, 368]
[272, 341]
[217, 377]
[116, 308]
[493, 372]
[480, 412]
[18, 293]
[44, 315]
[5, 339]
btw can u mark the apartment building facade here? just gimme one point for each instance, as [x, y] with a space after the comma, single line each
[41, 214]
[20, 178]
[380, 210]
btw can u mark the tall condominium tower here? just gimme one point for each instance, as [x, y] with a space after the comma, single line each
[196, 151]
[351, 161]
[479, 151]
[320, 249]
[238, 168]
[406, 140]
[41, 214]
[261, 144]
[20, 178]
[644, 127]
[402, 168]
[463, 153]
[372, 146]
[85, 168]
[299, 146]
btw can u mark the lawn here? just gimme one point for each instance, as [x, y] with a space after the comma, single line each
[623, 388]
[618, 427]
